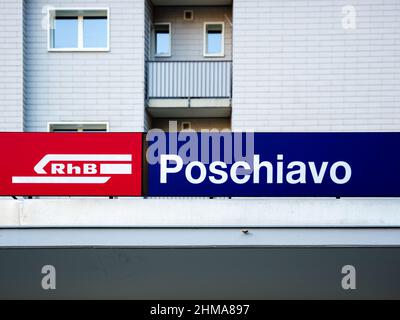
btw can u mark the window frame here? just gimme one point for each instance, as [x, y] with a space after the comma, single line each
[164, 55]
[78, 124]
[80, 48]
[205, 43]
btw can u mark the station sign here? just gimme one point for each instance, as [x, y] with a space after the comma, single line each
[273, 164]
[206, 164]
[71, 164]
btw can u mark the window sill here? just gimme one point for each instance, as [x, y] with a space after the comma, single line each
[219, 55]
[79, 50]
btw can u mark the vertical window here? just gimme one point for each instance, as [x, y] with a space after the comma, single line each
[162, 35]
[95, 32]
[65, 32]
[214, 39]
[79, 30]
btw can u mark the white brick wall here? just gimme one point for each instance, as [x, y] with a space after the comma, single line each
[297, 69]
[11, 66]
[148, 20]
[86, 86]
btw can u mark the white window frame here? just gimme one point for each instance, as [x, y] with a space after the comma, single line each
[211, 55]
[77, 124]
[80, 47]
[165, 55]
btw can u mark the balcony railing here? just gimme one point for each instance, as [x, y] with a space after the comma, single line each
[189, 79]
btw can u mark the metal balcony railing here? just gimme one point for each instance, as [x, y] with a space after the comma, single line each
[189, 79]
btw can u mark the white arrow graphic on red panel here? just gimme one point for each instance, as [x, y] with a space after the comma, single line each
[61, 170]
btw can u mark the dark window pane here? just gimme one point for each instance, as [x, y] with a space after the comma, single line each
[94, 130]
[65, 33]
[95, 32]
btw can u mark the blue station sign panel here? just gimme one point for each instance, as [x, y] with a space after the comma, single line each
[273, 164]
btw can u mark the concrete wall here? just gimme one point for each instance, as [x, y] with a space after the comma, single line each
[297, 69]
[188, 36]
[196, 123]
[240, 213]
[86, 86]
[11, 65]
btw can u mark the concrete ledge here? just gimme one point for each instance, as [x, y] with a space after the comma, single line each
[10, 213]
[200, 213]
[168, 103]
[186, 103]
[197, 112]
[210, 103]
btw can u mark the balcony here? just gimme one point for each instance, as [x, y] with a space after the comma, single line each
[189, 88]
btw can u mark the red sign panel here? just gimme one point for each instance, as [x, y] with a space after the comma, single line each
[71, 164]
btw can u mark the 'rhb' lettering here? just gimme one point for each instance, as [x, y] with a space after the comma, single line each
[86, 168]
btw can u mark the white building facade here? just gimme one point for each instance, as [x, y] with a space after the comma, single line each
[262, 65]
[283, 66]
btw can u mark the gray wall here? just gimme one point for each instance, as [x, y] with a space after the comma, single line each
[84, 86]
[11, 66]
[197, 273]
[187, 36]
[297, 69]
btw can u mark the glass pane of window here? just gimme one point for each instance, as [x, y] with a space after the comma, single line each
[65, 32]
[95, 32]
[214, 39]
[162, 40]
[70, 127]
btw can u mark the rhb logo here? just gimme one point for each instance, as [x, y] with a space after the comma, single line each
[78, 168]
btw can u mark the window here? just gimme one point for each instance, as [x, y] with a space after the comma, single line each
[78, 127]
[162, 36]
[78, 30]
[214, 39]
[65, 32]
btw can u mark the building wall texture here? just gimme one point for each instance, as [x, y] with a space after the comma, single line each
[148, 21]
[86, 86]
[297, 69]
[11, 66]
